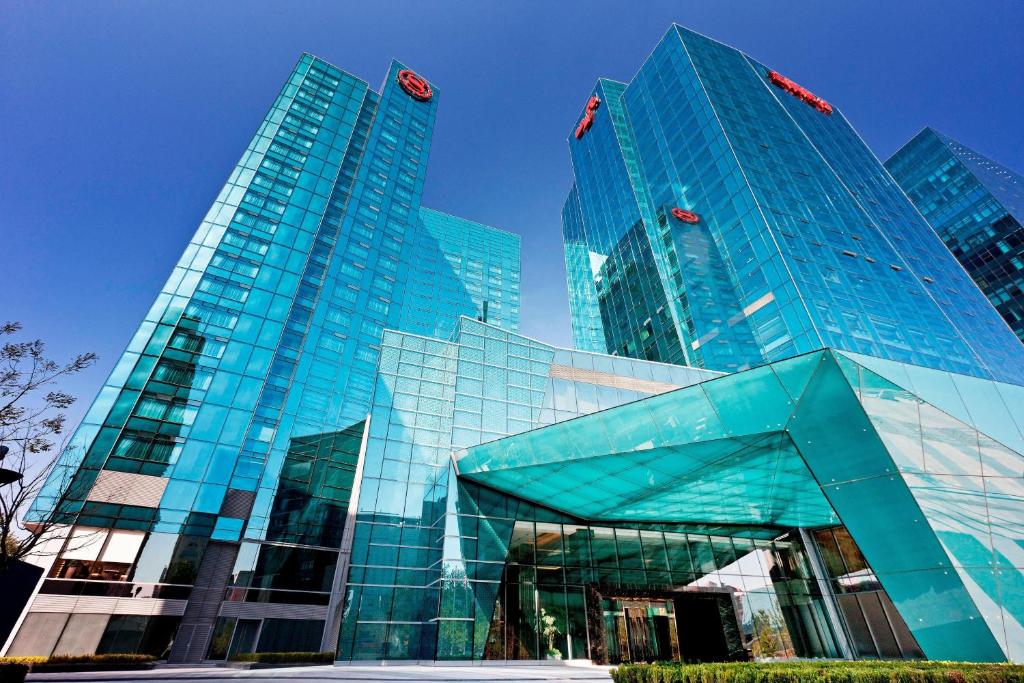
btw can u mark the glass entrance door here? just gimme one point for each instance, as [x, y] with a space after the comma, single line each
[640, 631]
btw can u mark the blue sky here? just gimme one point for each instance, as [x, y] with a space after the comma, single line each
[120, 121]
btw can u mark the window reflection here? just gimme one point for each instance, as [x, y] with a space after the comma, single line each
[874, 626]
[619, 594]
[114, 555]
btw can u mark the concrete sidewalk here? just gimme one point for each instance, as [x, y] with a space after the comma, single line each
[376, 672]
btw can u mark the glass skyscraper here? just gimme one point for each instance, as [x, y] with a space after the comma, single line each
[977, 208]
[213, 472]
[791, 426]
[723, 216]
[726, 217]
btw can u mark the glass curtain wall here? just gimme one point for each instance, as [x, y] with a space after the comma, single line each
[875, 628]
[569, 590]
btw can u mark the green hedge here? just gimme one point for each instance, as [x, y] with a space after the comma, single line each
[820, 672]
[284, 657]
[79, 662]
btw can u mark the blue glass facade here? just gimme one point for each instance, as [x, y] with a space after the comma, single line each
[580, 271]
[412, 594]
[921, 467]
[977, 207]
[802, 239]
[230, 429]
[460, 267]
[328, 434]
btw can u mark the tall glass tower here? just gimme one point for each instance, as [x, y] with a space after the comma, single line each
[724, 216]
[977, 207]
[223, 448]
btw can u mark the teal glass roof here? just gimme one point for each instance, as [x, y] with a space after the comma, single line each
[715, 452]
[757, 479]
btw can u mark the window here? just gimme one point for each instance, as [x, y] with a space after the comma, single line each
[98, 554]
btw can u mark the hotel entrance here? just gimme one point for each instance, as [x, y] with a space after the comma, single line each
[688, 626]
[639, 630]
[616, 595]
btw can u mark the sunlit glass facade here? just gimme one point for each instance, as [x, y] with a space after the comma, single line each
[791, 426]
[724, 216]
[210, 481]
[411, 594]
[977, 207]
[920, 467]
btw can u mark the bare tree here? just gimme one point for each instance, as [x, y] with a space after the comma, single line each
[31, 427]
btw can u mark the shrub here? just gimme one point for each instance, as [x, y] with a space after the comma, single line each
[820, 672]
[73, 662]
[26, 661]
[285, 657]
[125, 658]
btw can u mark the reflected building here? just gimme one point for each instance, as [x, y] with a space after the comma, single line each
[315, 485]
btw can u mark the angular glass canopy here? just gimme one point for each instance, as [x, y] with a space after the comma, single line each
[923, 467]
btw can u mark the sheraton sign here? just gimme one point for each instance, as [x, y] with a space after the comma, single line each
[800, 92]
[588, 116]
[685, 216]
[415, 85]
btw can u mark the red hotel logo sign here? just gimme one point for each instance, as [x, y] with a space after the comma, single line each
[799, 91]
[415, 85]
[588, 116]
[685, 216]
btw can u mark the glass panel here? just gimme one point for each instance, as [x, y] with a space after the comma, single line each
[522, 546]
[245, 637]
[521, 600]
[630, 552]
[877, 621]
[222, 632]
[577, 626]
[654, 551]
[830, 552]
[290, 635]
[38, 634]
[84, 544]
[81, 635]
[577, 547]
[123, 634]
[549, 544]
[857, 626]
[123, 546]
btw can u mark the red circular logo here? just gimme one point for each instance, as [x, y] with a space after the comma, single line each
[685, 216]
[415, 85]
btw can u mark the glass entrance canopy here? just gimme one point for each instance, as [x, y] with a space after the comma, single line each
[743, 479]
[925, 469]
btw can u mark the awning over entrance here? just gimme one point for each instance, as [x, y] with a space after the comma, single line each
[923, 467]
[744, 479]
[716, 452]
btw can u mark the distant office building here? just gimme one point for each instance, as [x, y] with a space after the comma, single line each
[977, 207]
[723, 216]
